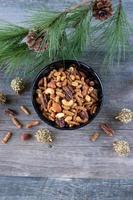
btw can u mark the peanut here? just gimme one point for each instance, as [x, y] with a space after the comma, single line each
[88, 98]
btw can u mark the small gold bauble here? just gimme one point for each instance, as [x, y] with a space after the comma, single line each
[125, 116]
[17, 85]
[44, 136]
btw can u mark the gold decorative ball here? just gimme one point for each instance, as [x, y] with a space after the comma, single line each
[17, 85]
[125, 116]
[44, 136]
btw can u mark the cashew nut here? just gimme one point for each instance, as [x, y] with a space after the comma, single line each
[49, 91]
[71, 69]
[57, 73]
[59, 84]
[67, 103]
[57, 99]
[60, 115]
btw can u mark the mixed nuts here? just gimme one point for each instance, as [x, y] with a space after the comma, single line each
[67, 97]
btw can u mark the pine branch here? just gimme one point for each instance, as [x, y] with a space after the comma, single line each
[113, 36]
[66, 33]
[79, 36]
[61, 43]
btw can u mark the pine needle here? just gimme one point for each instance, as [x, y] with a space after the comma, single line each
[114, 37]
[67, 34]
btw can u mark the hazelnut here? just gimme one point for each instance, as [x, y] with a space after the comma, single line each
[25, 136]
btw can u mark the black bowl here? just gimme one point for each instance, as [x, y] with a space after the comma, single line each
[91, 74]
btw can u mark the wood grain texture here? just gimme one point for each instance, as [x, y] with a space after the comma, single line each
[72, 154]
[69, 189]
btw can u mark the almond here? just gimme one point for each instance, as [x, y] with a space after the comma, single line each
[56, 107]
[52, 84]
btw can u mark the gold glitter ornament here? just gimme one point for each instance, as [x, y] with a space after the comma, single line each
[17, 85]
[125, 116]
[3, 98]
[121, 147]
[44, 136]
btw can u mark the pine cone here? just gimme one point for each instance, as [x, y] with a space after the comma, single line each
[102, 9]
[35, 43]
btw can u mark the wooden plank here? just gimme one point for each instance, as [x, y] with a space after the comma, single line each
[69, 189]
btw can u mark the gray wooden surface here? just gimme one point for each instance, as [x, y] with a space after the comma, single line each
[72, 155]
[60, 189]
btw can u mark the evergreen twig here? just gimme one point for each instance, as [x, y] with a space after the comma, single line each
[67, 34]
